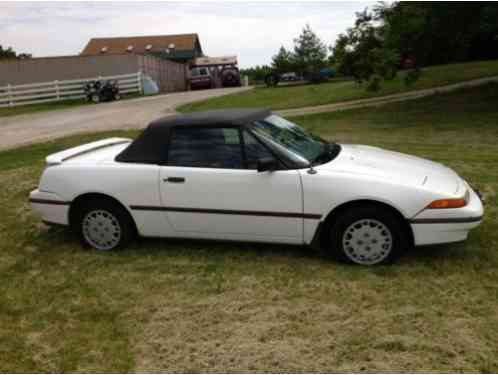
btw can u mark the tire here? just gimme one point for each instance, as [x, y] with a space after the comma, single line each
[367, 236]
[95, 98]
[103, 225]
[230, 78]
[117, 97]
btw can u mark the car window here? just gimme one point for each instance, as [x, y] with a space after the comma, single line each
[196, 72]
[205, 148]
[254, 150]
[300, 145]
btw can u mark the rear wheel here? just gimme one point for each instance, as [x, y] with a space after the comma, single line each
[367, 236]
[103, 224]
[95, 98]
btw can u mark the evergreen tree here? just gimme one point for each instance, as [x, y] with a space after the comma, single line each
[310, 53]
[282, 61]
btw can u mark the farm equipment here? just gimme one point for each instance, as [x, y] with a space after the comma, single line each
[96, 91]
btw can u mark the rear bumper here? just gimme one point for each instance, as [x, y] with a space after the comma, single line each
[51, 207]
[447, 225]
[198, 85]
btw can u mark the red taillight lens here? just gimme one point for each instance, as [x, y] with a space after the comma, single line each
[448, 203]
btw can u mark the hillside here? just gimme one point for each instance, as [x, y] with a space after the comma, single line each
[285, 97]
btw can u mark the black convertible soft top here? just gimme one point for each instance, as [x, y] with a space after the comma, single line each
[151, 146]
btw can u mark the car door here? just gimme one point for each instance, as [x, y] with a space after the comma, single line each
[210, 188]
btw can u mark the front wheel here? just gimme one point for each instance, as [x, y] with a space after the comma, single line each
[104, 225]
[368, 236]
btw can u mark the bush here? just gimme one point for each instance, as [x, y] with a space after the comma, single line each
[373, 83]
[412, 76]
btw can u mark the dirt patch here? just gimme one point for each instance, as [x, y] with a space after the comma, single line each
[239, 331]
[128, 114]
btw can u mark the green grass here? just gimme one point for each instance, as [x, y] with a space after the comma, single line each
[196, 306]
[42, 107]
[310, 95]
[54, 106]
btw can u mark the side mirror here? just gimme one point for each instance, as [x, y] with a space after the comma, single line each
[267, 164]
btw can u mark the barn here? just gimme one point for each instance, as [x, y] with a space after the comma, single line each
[181, 48]
[164, 58]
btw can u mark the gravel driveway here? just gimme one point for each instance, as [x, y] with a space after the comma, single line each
[126, 114]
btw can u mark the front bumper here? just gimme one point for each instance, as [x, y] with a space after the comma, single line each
[447, 225]
[51, 207]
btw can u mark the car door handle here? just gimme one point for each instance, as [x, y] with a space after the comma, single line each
[175, 180]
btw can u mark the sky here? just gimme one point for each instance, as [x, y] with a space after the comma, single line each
[254, 31]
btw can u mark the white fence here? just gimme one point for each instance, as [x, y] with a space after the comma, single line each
[54, 91]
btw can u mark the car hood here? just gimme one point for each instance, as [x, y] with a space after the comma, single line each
[396, 168]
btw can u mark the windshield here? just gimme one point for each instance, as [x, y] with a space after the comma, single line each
[294, 139]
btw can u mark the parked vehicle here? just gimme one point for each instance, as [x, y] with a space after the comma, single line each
[289, 77]
[214, 72]
[97, 91]
[200, 78]
[273, 78]
[250, 175]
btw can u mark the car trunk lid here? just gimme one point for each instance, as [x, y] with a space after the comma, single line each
[93, 151]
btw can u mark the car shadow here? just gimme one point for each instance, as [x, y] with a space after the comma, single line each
[433, 253]
[180, 247]
[61, 236]
[421, 254]
[221, 247]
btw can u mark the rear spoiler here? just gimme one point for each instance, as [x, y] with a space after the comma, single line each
[62, 156]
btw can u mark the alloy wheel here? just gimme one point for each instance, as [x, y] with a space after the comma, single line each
[101, 229]
[367, 241]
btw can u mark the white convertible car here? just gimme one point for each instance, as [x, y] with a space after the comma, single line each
[250, 175]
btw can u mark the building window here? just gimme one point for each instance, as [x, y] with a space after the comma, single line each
[103, 50]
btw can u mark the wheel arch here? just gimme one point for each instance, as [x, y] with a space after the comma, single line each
[320, 238]
[85, 197]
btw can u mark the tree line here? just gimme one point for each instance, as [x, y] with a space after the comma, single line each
[9, 53]
[308, 55]
[386, 38]
[393, 36]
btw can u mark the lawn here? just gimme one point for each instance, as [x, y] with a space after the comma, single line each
[310, 95]
[32, 108]
[53, 106]
[186, 306]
